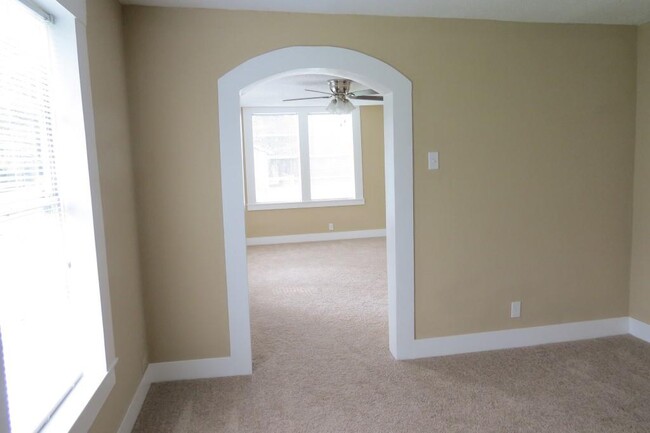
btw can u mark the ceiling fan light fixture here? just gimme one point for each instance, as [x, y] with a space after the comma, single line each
[331, 107]
[340, 96]
[340, 105]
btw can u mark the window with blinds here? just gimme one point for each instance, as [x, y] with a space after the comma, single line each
[42, 362]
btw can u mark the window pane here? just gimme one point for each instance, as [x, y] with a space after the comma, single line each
[39, 339]
[331, 156]
[276, 153]
[41, 356]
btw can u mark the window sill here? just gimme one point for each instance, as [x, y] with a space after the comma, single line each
[79, 410]
[305, 204]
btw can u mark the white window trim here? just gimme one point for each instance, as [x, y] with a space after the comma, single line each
[4, 404]
[302, 112]
[306, 204]
[80, 408]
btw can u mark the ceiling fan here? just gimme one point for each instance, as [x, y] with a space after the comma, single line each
[340, 96]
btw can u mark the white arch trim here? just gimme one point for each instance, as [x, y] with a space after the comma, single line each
[398, 143]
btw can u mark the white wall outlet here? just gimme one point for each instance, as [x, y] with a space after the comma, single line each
[330, 226]
[515, 309]
[433, 161]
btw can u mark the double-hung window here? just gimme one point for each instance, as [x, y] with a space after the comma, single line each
[302, 157]
[56, 353]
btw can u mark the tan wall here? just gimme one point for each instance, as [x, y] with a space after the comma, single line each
[535, 128]
[371, 215]
[640, 273]
[105, 46]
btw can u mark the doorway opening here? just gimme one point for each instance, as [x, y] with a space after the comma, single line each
[398, 154]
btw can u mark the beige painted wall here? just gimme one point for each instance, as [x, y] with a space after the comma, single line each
[371, 215]
[640, 270]
[105, 46]
[533, 202]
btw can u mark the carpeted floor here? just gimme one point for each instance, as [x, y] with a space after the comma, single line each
[321, 364]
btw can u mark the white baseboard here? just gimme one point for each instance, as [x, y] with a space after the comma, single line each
[136, 404]
[520, 337]
[640, 329]
[196, 369]
[316, 237]
[178, 370]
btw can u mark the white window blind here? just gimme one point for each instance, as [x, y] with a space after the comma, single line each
[27, 177]
[37, 313]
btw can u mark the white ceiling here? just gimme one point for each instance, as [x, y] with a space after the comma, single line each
[271, 93]
[547, 11]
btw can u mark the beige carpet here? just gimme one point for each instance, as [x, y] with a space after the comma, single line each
[321, 364]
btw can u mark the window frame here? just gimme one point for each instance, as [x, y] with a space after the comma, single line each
[81, 406]
[305, 173]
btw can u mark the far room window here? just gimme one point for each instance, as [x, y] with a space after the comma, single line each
[302, 157]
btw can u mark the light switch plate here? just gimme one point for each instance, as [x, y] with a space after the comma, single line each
[433, 161]
[515, 309]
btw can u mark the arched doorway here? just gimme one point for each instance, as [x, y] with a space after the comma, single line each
[398, 142]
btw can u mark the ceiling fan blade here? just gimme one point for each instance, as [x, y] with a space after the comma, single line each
[318, 91]
[364, 92]
[302, 99]
[366, 97]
